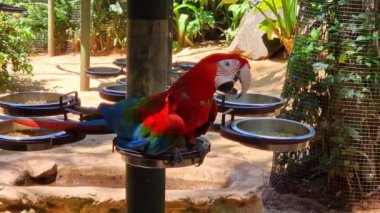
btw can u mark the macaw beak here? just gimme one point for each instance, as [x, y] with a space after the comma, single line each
[226, 83]
[244, 76]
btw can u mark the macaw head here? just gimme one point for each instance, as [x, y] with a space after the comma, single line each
[230, 68]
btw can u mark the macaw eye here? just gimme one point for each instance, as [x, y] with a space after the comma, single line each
[227, 64]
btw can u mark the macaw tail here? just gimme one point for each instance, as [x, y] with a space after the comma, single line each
[97, 126]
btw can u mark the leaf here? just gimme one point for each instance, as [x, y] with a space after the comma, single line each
[263, 5]
[330, 57]
[320, 66]
[269, 26]
[342, 58]
[315, 34]
[225, 2]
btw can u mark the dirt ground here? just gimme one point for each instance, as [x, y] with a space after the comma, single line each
[61, 74]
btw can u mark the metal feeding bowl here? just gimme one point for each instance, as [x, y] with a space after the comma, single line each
[113, 93]
[248, 104]
[122, 81]
[274, 134]
[184, 65]
[103, 72]
[17, 137]
[138, 159]
[11, 9]
[120, 62]
[37, 103]
[178, 69]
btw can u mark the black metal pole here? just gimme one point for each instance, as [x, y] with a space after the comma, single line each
[148, 56]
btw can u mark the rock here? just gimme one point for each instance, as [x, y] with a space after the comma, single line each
[40, 169]
[251, 41]
[10, 177]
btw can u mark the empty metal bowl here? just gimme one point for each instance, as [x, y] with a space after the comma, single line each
[122, 81]
[103, 72]
[248, 104]
[184, 65]
[119, 89]
[249, 99]
[121, 62]
[113, 93]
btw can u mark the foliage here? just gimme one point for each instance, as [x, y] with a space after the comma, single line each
[63, 10]
[108, 25]
[15, 40]
[190, 20]
[38, 20]
[237, 9]
[198, 20]
[284, 25]
[333, 72]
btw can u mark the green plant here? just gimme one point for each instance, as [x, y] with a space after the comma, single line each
[15, 45]
[284, 25]
[190, 20]
[38, 20]
[333, 84]
[63, 10]
[108, 25]
[236, 9]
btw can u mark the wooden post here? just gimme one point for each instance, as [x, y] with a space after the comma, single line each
[51, 28]
[147, 53]
[85, 25]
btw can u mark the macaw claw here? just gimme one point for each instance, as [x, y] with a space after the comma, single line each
[176, 157]
[201, 152]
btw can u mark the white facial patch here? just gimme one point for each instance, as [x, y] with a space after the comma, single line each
[227, 70]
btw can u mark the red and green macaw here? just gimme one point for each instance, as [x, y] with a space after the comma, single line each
[160, 122]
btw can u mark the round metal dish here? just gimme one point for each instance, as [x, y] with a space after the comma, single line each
[179, 69]
[252, 132]
[249, 99]
[37, 103]
[184, 65]
[136, 158]
[248, 104]
[119, 89]
[103, 72]
[46, 139]
[122, 81]
[120, 62]
[11, 9]
[113, 93]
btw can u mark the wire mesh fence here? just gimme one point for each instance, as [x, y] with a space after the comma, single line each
[333, 84]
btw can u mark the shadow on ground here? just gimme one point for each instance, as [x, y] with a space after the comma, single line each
[23, 84]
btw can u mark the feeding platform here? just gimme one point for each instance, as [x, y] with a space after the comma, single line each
[113, 93]
[17, 137]
[103, 72]
[38, 103]
[273, 134]
[162, 161]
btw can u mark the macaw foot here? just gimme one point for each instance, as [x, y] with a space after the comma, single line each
[201, 152]
[176, 157]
